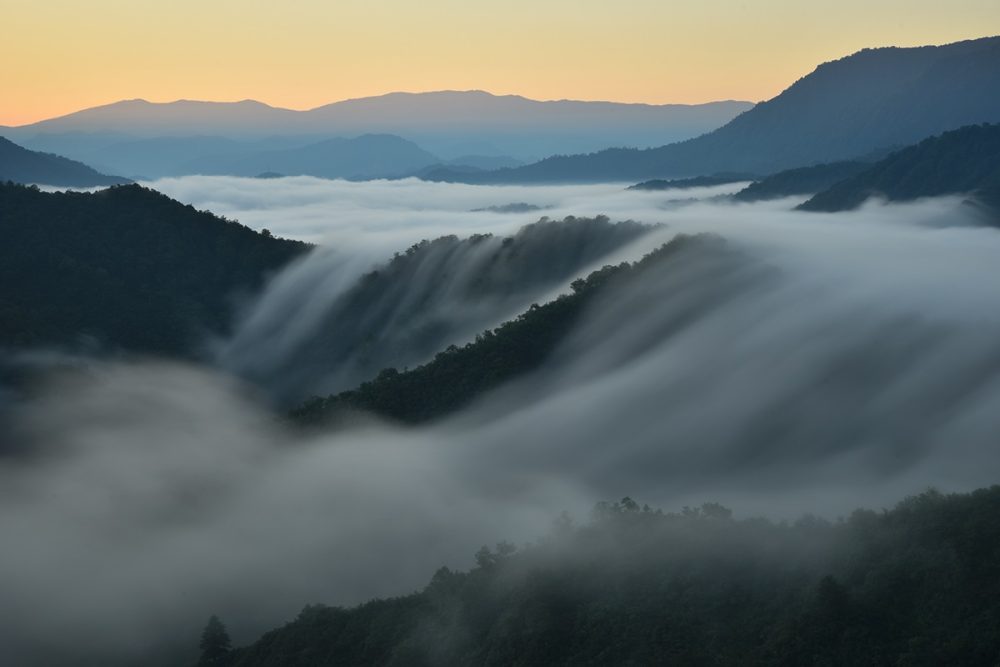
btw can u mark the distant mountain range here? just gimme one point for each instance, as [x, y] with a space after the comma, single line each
[364, 157]
[869, 101]
[964, 161]
[449, 124]
[19, 165]
[855, 109]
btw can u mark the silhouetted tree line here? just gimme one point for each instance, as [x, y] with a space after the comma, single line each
[915, 585]
[123, 268]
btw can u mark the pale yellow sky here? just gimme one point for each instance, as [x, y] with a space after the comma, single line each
[63, 55]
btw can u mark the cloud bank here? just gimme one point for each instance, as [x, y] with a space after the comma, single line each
[806, 363]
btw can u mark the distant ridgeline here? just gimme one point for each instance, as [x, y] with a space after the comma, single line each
[125, 268]
[19, 165]
[869, 101]
[696, 182]
[916, 585]
[459, 375]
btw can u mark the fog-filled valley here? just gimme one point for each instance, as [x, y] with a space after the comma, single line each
[526, 357]
[776, 361]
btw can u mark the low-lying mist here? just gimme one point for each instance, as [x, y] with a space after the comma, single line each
[789, 362]
[378, 218]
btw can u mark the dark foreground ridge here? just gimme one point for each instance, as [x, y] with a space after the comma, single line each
[915, 585]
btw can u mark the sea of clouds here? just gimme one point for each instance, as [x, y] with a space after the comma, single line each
[807, 363]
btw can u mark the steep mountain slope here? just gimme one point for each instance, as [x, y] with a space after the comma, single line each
[19, 165]
[957, 162]
[801, 181]
[124, 268]
[847, 108]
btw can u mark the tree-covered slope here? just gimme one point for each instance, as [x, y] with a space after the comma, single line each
[123, 268]
[801, 181]
[915, 585]
[962, 161]
[867, 101]
[19, 165]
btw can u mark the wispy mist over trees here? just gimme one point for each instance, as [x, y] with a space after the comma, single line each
[460, 375]
[314, 334]
[916, 585]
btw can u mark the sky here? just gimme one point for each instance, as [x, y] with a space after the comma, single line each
[300, 54]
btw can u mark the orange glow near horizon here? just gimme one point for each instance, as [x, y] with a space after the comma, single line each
[62, 56]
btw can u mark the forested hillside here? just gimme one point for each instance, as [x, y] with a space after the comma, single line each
[125, 268]
[916, 585]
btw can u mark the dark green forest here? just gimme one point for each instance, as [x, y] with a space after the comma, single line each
[917, 585]
[458, 375]
[125, 268]
[963, 161]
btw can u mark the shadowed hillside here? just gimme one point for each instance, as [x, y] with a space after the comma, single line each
[123, 268]
[19, 165]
